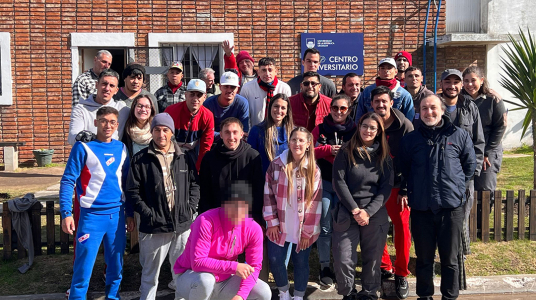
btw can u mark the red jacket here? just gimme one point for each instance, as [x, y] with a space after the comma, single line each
[193, 130]
[300, 114]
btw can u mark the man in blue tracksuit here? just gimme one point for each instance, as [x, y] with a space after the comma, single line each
[98, 169]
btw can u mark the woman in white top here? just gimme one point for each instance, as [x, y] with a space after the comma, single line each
[292, 210]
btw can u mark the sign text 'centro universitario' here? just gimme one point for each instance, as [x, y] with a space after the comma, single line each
[340, 53]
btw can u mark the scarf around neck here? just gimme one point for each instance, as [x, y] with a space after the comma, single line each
[141, 136]
[390, 83]
[269, 89]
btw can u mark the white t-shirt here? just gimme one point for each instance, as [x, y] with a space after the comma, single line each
[292, 219]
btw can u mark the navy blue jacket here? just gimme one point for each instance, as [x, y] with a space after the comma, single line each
[436, 166]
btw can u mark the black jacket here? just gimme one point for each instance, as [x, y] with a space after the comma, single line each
[220, 167]
[437, 164]
[399, 128]
[145, 191]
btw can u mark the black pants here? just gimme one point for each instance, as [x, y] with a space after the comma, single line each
[371, 238]
[441, 231]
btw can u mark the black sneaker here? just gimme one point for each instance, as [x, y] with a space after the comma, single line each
[386, 274]
[401, 287]
[352, 296]
[326, 277]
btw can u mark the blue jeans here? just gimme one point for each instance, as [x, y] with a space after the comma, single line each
[277, 255]
[324, 240]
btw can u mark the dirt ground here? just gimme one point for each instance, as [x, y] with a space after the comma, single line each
[28, 180]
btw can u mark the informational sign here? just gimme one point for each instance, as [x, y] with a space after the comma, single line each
[340, 53]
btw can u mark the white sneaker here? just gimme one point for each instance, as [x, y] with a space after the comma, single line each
[284, 295]
[67, 294]
[297, 298]
[171, 285]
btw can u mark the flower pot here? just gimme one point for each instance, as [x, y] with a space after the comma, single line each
[43, 157]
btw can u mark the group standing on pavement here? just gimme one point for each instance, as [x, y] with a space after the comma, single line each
[233, 180]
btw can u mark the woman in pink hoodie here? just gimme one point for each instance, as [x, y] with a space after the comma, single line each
[208, 267]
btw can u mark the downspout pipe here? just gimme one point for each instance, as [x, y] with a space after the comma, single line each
[435, 46]
[424, 43]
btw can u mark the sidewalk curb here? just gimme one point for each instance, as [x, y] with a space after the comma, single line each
[502, 284]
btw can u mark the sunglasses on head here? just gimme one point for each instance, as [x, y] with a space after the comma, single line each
[342, 109]
[311, 83]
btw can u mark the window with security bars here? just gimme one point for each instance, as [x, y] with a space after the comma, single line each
[156, 61]
[195, 57]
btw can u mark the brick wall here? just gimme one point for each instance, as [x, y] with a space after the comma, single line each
[41, 58]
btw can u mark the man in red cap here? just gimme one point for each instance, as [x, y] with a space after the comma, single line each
[403, 61]
[243, 63]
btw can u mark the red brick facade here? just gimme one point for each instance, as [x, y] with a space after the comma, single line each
[41, 56]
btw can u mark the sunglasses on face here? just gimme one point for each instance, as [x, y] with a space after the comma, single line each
[311, 83]
[341, 109]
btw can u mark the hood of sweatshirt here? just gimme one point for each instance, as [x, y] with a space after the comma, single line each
[227, 154]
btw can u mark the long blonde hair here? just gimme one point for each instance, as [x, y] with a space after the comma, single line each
[309, 172]
[270, 130]
[356, 143]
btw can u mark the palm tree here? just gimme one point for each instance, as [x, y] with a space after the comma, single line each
[519, 78]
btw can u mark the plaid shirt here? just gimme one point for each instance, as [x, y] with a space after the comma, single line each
[84, 85]
[165, 96]
[276, 197]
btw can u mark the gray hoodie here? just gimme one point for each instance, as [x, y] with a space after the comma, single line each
[85, 112]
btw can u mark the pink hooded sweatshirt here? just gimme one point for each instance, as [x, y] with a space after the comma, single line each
[214, 245]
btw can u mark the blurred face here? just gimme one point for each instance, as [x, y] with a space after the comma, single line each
[279, 111]
[402, 63]
[352, 87]
[246, 67]
[472, 84]
[311, 62]
[134, 83]
[368, 130]
[194, 100]
[162, 136]
[107, 87]
[382, 105]
[209, 81]
[232, 134]
[413, 79]
[339, 110]
[106, 126]
[236, 211]
[387, 71]
[142, 111]
[267, 73]
[175, 76]
[101, 62]
[299, 144]
[431, 111]
[451, 86]
[310, 87]
[228, 93]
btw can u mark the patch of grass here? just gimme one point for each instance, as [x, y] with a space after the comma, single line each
[516, 173]
[524, 149]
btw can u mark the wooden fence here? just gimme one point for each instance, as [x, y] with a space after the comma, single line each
[503, 228]
[50, 237]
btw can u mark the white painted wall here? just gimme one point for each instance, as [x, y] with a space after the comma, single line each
[512, 137]
[506, 16]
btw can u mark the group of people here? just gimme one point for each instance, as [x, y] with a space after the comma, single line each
[207, 172]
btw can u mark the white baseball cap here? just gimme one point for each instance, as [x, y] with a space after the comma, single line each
[197, 85]
[389, 61]
[229, 78]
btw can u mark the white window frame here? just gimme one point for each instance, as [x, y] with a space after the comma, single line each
[5, 70]
[157, 39]
[97, 39]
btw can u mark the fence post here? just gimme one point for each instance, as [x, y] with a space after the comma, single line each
[532, 216]
[6, 225]
[64, 242]
[36, 227]
[521, 215]
[497, 226]
[485, 216]
[51, 235]
[509, 216]
[472, 218]
[134, 237]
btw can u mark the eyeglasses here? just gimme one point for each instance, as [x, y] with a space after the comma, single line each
[371, 128]
[311, 83]
[141, 106]
[106, 122]
[341, 109]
